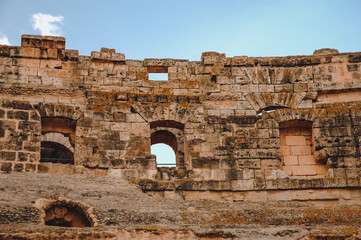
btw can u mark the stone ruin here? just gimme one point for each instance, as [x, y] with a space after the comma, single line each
[242, 128]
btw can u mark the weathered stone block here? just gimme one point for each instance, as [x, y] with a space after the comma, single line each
[117, 163]
[206, 163]
[335, 182]
[6, 167]
[290, 160]
[43, 168]
[21, 115]
[23, 156]
[226, 115]
[4, 155]
[42, 41]
[18, 167]
[242, 185]
[30, 167]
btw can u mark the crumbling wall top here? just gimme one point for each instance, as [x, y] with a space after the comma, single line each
[43, 42]
[325, 51]
[51, 47]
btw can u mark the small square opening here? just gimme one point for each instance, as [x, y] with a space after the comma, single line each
[158, 76]
[158, 73]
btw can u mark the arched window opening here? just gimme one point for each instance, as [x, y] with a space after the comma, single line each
[57, 140]
[158, 140]
[66, 216]
[297, 149]
[61, 125]
[170, 133]
[165, 155]
[163, 136]
[56, 153]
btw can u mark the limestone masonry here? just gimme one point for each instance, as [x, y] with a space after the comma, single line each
[256, 129]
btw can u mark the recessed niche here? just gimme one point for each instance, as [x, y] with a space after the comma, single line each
[62, 212]
[296, 140]
[66, 213]
[66, 216]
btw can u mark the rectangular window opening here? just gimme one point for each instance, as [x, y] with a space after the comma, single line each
[158, 76]
[158, 73]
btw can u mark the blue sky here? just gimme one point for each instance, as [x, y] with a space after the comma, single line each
[164, 154]
[186, 28]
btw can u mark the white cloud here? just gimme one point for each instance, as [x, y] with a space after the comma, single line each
[47, 24]
[4, 39]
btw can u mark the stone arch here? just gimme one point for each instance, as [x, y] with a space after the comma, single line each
[166, 137]
[58, 110]
[283, 115]
[268, 101]
[171, 133]
[65, 216]
[170, 117]
[57, 140]
[159, 112]
[56, 153]
[65, 213]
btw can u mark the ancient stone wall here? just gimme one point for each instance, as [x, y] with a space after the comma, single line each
[240, 123]
[119, 210]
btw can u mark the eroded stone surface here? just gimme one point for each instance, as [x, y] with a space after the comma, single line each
[212, 106]
[226, 117]
[122, 210]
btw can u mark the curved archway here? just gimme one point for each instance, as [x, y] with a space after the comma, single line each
[56, 153]
[171, 133]
[63, 212]
[167, 123]
[65, 126]
[51, 110]
[58, 140]
[164, 137]
[165, 155]
[66, 216]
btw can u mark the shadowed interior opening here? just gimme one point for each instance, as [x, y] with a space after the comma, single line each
[56, 153]
[58, 140]
[66, 216]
